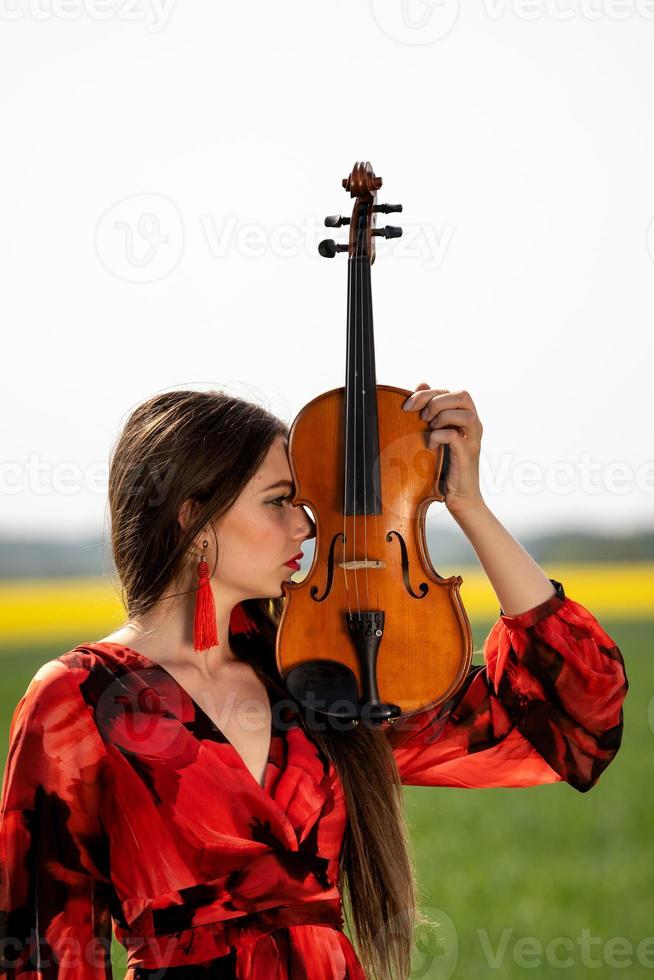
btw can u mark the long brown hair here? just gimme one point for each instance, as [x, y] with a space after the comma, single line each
[207, 446]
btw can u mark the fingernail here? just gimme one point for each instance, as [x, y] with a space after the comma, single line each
[408, 403]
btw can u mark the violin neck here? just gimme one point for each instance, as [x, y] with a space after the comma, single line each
[362, 490]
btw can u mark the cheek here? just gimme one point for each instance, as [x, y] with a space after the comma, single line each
[269, 531]
[253, 531]
[280, 531]
[261, 535]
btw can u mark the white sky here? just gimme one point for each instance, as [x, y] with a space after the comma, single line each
[165, 173]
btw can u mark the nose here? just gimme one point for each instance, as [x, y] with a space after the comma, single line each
[310, 527]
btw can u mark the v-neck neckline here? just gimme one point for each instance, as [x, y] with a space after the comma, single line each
[198, 707]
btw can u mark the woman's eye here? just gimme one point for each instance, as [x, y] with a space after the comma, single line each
[278, 500]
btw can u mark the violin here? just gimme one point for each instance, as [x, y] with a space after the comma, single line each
[373, 631]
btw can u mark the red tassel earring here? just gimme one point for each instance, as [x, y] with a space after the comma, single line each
[205, 630]
[241, 622]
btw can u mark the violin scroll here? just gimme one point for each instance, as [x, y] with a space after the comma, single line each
[362, 185]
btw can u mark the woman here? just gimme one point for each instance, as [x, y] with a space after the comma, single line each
[139, 788]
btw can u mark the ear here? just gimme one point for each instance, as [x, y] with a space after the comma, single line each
[187, 513]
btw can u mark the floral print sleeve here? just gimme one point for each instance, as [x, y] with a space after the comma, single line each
[546, 706]
[54, 918]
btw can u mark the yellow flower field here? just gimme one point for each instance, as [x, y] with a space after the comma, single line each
[88, 608]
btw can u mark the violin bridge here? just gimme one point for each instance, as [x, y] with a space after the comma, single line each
[369, 563]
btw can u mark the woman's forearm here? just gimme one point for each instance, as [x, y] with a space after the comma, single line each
[519, 582]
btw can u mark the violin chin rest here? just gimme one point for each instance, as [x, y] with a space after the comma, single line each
[325, 687]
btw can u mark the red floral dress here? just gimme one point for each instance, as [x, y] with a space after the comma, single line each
[121, 800]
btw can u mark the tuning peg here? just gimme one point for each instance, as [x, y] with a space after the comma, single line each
[336, 220]
[389, 231]
[328, 248]
[387, 208]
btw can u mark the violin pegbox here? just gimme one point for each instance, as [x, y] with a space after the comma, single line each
[362, 184]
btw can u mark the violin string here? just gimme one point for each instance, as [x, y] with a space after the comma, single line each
[347, 428]
[364, 283]
[371, 375]
[353, 550]
[357, 296]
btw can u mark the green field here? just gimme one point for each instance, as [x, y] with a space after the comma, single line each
[544, 881]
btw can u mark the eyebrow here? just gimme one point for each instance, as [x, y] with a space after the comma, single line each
[280, 483]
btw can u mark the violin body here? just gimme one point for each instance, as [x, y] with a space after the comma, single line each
[373, 632]
[427, 643]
